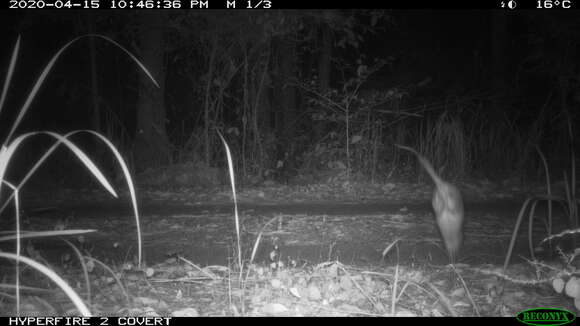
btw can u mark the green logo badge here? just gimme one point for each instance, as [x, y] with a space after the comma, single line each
[545, 316]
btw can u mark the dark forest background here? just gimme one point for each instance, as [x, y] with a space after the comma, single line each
[301, 95]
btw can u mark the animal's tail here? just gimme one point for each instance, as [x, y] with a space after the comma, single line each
[428, 167]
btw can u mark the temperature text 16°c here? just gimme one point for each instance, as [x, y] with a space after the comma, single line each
[549, 4]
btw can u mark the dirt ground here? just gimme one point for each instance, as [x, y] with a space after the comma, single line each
[319, 251]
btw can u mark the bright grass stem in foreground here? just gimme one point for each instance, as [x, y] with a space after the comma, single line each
[569, 204]
[235, 198]
[9, 148]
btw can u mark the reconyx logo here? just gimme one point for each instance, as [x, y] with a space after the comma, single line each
[545, 316]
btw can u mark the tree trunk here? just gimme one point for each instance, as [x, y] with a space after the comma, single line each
[499, 62]
[207, 102]
[286, 119]
[324, 58]
[324, 61]
[261, 109]
[151, 142]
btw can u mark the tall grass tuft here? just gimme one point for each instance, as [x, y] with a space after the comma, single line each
[446, 144]
[12, 143]
[569, 204]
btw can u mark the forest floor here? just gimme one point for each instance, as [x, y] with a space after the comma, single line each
[334, 249]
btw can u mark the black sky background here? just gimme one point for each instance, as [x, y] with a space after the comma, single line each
[450, 38]
[449, 48]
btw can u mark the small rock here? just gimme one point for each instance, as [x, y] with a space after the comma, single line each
[558, 285]
[187, 312]
[314, 292]
[459, 292]
[405, 313]
[276, 283]
[346, 283]
[274, 309]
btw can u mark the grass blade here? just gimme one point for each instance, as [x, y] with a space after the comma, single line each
[73, 296]
[48, 67]
[233, 185]
[9, 73]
